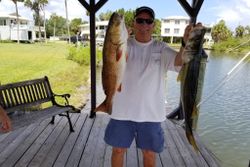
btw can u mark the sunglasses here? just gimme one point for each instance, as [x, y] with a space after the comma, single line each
[144, 21]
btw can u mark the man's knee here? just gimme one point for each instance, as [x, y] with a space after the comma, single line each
[119, 151]
[148, 154]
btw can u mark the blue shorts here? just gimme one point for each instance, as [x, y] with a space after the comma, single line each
[148, 135]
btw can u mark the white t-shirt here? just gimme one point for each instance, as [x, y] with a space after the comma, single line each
[142, 96]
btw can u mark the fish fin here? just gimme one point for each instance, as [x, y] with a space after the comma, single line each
[194, 116]
[119, 88]
[180, 75]
[102, 107]
[118, 54]
[191, 140]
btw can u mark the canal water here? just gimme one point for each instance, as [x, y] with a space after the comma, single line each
[224, 120]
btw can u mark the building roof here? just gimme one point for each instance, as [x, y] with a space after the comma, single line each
[176, 18]
[11, 16]
[98, 23]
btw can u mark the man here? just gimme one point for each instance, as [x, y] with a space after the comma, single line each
[5, 121]
[139, 108]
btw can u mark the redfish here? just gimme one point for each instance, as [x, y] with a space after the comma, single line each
[114, 60]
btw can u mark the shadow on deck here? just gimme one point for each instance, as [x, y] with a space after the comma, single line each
[43, 144]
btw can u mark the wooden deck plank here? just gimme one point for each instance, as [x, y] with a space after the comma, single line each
[47, 145]
[34, 148]
[52, 145]
[196, 155]
[9, 138]
[52, 155]
[15, 143]
[165, 156]
[100, 147]
[171, 146]
[71, 140]
[92, 143]
[11, 160]
[3, 136]
[107, 156]
[79, 146]
[188, 159]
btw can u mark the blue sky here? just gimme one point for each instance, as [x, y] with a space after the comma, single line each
[234, 12]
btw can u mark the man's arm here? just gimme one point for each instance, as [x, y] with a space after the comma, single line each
[178, 59]
[5, 121]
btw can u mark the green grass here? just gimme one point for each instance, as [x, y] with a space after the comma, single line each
[20, 62]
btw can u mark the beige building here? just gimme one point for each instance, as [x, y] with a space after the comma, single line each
[101, 27]
[173, 28]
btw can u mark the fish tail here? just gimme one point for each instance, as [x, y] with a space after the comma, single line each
[104, 107]
[191, 140]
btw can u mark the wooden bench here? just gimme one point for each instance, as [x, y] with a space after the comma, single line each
[22, 101]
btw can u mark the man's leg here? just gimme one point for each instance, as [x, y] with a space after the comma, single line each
[119, 135]
[148, 158]
[118, 156]
[150, 139]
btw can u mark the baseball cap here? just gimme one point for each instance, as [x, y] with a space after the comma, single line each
[145, 9]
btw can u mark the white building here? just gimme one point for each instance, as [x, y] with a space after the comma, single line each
[8, 28]
[173, 27]
[101, 27]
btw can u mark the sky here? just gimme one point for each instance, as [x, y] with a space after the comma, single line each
[233, 12]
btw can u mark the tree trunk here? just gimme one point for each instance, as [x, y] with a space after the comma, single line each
[18, 22]
[45, 38]
[67, 19]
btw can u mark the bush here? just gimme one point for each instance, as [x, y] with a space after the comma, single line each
[6, 41]
[81, 55]
[233, 44]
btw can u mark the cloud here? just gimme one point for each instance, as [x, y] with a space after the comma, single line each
[234, 12]
[75, 9]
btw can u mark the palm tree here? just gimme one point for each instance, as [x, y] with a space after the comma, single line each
[17, 18]
[36, 6]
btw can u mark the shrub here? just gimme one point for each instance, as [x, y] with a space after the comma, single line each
[81, 55]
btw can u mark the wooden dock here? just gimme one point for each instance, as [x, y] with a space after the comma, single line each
[43, 144]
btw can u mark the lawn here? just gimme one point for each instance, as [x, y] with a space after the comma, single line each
[29, 61]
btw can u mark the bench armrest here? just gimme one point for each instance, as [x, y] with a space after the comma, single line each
[65, 96]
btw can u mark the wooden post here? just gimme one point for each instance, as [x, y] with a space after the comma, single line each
[92, 8]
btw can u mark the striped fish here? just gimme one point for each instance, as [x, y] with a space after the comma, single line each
[191, 77]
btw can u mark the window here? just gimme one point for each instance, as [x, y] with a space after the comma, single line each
[167, 30]
[102, 27]
[2, 22]
[176, 30]
[177, 21]
[166, 21]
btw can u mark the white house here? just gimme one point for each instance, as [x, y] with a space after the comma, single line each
[173, 27]
[101, 27]
[8, 28]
